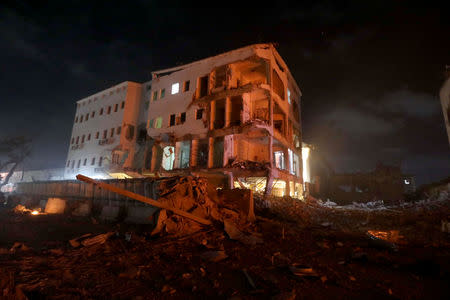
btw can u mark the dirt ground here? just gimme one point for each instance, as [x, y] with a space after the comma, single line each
[327, 255]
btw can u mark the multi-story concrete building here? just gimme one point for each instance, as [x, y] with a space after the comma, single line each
[445, 101]
[106, 124]
[234, 118]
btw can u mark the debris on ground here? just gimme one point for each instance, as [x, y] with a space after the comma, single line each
[294, 249]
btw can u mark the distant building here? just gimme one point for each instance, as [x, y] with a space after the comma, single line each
[105, 124]
[445, 101]
[31, 176]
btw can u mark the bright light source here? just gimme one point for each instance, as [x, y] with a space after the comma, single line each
[34, 212]
[175, 88]
[407, 181]
[306, 172]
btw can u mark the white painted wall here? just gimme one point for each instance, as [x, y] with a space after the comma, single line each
[90, 149]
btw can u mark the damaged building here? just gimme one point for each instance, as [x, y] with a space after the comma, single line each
[233, 118]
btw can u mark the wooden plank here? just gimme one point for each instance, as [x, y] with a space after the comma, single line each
[142, 199]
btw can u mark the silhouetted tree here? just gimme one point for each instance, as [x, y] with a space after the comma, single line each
[13, 150]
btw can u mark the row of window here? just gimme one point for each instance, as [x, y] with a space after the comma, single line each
[87, 137]
[159, 94]
[174, 119]
[71, 164]
[100, 112]
[103, 96]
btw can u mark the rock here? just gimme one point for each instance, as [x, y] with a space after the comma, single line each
[214, 256]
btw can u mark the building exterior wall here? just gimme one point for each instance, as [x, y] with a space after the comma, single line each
[250, 108]
[445, 102]
[112, 110]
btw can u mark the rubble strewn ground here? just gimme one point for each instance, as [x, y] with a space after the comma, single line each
[305, 251]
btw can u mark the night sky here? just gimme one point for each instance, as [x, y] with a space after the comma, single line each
[369, 73]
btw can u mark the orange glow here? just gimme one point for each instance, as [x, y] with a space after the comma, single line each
[34, 212]
[392, 236]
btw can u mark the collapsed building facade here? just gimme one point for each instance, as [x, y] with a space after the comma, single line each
[233, 118]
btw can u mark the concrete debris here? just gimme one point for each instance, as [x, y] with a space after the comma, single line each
[214, 256]
[89, 240]
[20, 209]
[235, 234]
[18, 246]
[445, 226]
[302, 271]
[248, 164]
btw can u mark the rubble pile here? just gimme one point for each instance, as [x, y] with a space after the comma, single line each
[194, 195]
[248, 165]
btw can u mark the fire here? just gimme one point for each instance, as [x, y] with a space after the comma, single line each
[34, 212]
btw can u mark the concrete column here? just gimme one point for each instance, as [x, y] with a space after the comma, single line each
[269, 184]
[212, 115]
[194, 153]
[154, 157]
[227, 111]
[287, 190]
[210, 152]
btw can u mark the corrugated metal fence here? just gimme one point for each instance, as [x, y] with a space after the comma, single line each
[73, 189]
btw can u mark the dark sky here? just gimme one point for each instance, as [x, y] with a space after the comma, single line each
[370, 73]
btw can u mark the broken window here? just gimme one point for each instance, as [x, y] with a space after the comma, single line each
[78, 139]
[172, 120]
[82, 139]
[73, 164]
[186, 86]
[199, 114]
[118, 130]
[109, 110]
[93, 161]
[105, 134]
[175, 88]
[279, 160]
[122, 105]
[155, 95]
[203, 86]
[92, 114]
[279, 119]
[219, 114]
[202, 154]
[150, 123]
[183, 117]
[89, 137]
[85, 161]
[218, 152]
[236, 109]
[278, 85]
[142, 135]
[112, 132]
[81, 119]
[116, 106]
[68, 163]
[87, 117]
[168, 158]
[158, 122]
[76, 119]
[101, 111]
[184, 153]
[163, 93]
[79, 163]
[220, 76]
[73, 140]
[100, 161]
[147, 104]
[97, 134]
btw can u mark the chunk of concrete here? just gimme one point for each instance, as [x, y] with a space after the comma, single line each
[43, 203]
[141, 215]
[82, 210]
[55, 206]
[110, 213]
